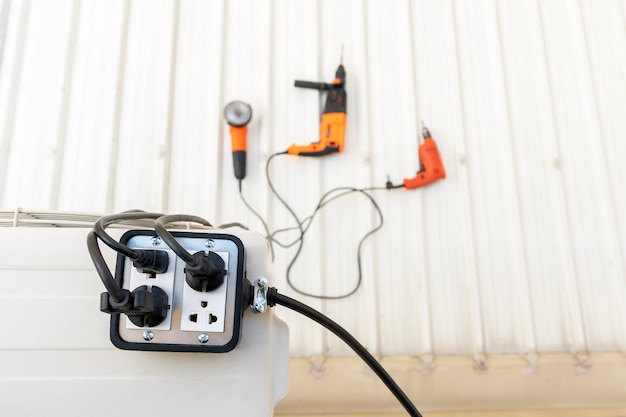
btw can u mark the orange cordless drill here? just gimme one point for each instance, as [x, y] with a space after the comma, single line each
[431, 167]
[333, 121]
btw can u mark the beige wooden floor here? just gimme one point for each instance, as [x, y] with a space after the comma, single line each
[346, 387]
[596, 412]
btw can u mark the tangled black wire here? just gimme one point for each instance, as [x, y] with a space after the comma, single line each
[302, 226]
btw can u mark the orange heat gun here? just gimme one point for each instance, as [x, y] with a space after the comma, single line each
[333, 121]
[431, 167]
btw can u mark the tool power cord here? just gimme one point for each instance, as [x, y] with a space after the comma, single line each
[258, 216]
[98, 232]
[302, 226]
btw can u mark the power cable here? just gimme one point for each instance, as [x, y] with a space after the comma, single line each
[302, 226]
[258, 216]
[170, 240]
[274, 298]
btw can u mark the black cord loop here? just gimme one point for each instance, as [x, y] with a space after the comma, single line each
[170, 240]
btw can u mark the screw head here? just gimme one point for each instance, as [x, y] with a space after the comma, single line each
[148, 335]
[203, 338]
[259, 308]
[209, 243]
[156, 241]
[262, 282]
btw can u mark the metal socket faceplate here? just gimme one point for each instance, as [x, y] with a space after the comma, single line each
[197, 321]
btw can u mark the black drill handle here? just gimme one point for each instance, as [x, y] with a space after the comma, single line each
[313, 85]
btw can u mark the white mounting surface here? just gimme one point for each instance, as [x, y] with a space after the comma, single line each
[70, 367]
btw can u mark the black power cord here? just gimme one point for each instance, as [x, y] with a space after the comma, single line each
[306, 223]
[117, 294]
[106, 221]
[274, 298]
[170, 240]
[300, 240]
[258, 216]
[303, 227]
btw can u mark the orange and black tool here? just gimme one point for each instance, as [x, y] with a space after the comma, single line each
[431, 167]
[238, 114]
[333, 121]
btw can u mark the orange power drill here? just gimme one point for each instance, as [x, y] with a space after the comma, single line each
[431, 167]
[333, 121]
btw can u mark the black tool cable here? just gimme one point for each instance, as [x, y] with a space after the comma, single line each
[274, 298]
[308, 220]
[116, 292]
[103, 222]
[170, 240]
[261, 219]
[290, 210]
[300, 226]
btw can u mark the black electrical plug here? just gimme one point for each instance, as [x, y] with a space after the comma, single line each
[150, 261]
[149, 306]
[208, 272]
[145, 306]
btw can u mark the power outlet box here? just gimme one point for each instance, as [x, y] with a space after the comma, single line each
[196, 321]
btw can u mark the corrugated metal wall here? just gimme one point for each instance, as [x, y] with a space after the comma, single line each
[112, 105]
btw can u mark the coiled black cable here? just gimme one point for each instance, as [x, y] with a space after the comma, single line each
[326, 199]
[303, 227]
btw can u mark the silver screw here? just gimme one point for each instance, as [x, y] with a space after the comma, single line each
[148, 335]
[203, 338]
[209, 243]
[259, 308]
[156, 241]
[262, 282]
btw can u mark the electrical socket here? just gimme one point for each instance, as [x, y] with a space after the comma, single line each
[204, 311]
[217, 324]
[165, 281]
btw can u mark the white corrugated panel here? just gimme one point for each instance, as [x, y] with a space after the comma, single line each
[107, 106]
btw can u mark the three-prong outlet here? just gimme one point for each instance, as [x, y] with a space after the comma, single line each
[204, 311]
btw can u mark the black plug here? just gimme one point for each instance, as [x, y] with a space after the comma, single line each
[145, 306]
[150, 261]
[207, 274]
[389, 185]
[149, 306]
